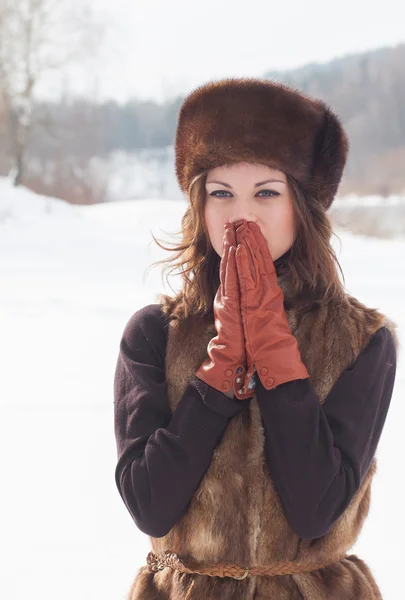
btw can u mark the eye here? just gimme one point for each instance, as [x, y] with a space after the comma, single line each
[261, 191]
[271, 192]
[218, 192]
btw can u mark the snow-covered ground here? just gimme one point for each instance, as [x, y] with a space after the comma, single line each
[71, 278]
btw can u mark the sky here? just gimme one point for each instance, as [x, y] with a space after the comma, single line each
[155, 49]
[72, 277]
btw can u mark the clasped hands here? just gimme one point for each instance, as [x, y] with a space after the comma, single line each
[253, 334]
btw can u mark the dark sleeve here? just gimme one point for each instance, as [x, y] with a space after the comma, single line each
[318, 454]
[162, 457]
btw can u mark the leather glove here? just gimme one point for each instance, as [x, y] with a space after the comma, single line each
[271, 348]
[226, 366]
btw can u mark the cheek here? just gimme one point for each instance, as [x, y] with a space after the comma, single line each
[291, 222]
[215, 226]
[282, 219]
[280, 230]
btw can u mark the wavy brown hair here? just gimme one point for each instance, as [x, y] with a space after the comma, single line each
[311, 259]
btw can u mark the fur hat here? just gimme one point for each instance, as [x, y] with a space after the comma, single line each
[262, 121]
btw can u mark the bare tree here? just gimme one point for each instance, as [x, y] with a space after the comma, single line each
[37, 37]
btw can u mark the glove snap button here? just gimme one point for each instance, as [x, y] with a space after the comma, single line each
[226, 384]
[264, 371]
[270, 381]
[228, 372]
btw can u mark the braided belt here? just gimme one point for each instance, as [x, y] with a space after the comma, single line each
[156, 562]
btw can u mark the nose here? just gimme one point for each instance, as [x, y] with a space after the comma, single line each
[237, 222]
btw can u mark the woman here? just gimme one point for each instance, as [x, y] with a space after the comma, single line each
[249, 406]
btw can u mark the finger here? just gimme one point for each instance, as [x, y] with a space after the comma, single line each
[244, 235]
[260, 241]
[230, 230]
[224, 258]
[240, 232]
[231, 276]
[253, 263]
[246, 280]
[256, 262]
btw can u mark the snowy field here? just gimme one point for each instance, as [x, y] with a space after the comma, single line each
[71, 278]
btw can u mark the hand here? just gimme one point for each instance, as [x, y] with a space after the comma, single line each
[225, 368]
[271, 348]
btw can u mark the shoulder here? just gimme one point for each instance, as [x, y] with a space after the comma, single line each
[383, 340]
[381, 350]
[146, 328]
[361, 319]
[146, 320]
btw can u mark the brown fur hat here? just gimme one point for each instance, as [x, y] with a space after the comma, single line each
[261, 121]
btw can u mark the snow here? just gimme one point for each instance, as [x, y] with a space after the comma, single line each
[71, 278]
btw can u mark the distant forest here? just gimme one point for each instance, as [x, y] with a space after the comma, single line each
[367, 90]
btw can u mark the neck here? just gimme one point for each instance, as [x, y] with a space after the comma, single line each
[282, 260]
[284, 279]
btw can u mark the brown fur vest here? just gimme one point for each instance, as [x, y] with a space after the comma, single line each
[236, 514]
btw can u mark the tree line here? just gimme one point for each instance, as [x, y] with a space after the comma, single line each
[48, 145]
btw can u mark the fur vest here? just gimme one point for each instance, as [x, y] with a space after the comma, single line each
[236, 514]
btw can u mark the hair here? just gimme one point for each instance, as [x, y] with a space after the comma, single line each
[311, 259]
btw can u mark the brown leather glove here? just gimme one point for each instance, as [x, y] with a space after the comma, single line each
[271, 348]
[226, 366]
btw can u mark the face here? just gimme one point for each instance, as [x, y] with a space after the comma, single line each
[255, 193]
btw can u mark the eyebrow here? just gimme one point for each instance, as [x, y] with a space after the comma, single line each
[256, 184]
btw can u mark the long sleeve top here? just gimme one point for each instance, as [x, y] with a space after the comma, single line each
[317, 454]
